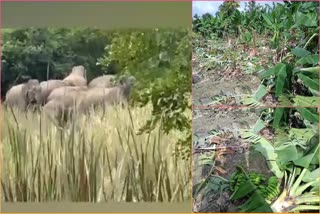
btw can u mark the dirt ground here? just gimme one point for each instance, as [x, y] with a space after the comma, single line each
[205, 120]
[226, 80]
[213, 85]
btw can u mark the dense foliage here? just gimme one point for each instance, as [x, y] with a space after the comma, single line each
[281, 21]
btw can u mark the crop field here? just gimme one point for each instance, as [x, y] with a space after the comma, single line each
[255, 91]
[92, 158]
[253, 58]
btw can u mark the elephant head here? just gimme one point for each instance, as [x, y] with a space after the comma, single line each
[32, 92]
[24, 95]
[77, 77]
[119, 94]
[127, 80]
[79, 71]
[126, 83]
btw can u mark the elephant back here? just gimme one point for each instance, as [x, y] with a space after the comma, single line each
[93, 97]
[14, 96]
[105, 81]
[65, 92]
[48, 86]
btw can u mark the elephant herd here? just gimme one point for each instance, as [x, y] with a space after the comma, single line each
[70, 94]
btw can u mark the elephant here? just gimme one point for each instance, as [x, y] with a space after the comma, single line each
[104, 81]
[77, 77]
[95, 97]
[65, 91]
[121, 94]
[24, 95]
[65, 101]
[48, 86]
[59, 109]
[63, 107]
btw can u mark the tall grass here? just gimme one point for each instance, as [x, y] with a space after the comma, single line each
[91, 159]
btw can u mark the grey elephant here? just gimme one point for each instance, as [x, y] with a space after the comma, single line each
[77, 77]
[95, 97]
[104, 81]
[63, 107]
[48, 86]
[65, 91]
[80, 100]
[59, 110]
[24, 95]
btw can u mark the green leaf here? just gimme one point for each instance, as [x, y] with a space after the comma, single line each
[243, 190]
[268, 72]
[300, 52]
[301, 134]
[309, 60]
[250, 101]
[260, 93]
[309, 20]
[286, 153]
[206, 161]
[308, 115]
[278, 113]
[284, 100]
[311, 69]
[306, 208]
[281, 80]
[310, 83]
[305, 101]
[311, 176]
[258, 126]
[255, 202]
[267, 19]
[308, 159]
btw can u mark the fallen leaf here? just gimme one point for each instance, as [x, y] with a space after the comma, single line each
[215, 140]
[220, 170]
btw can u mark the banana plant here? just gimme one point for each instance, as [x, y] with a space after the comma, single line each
[296, 84]
[301, 190]
[255, 202]
[276, 22]
[295, 153]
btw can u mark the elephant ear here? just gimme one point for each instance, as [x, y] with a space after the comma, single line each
[25, 92]
[26, 95]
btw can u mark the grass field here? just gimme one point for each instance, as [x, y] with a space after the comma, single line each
[92, 159]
